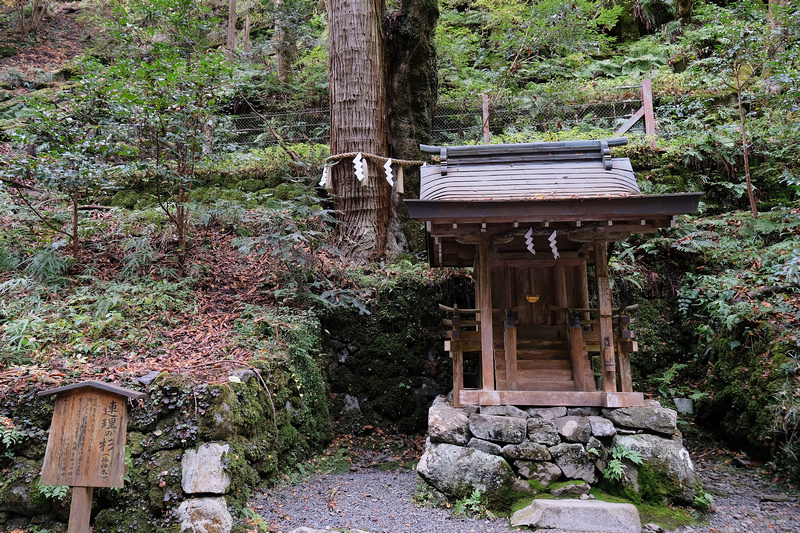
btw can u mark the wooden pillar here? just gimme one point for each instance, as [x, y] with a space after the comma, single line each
[604, 311]
[624, 358]
[80, 510]
[583, 279]
[510, 346]
[485, 297]
[561, 287]
[457, 352]
[577, 353]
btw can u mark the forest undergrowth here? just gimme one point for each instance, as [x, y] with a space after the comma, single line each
[718, 318]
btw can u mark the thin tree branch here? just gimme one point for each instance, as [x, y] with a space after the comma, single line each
[39, 215]
[296, 158]
[94, 208]
[19, 185]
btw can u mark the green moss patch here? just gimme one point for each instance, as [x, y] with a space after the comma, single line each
[667, 516]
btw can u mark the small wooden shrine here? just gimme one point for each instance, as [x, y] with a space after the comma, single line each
[535, 221]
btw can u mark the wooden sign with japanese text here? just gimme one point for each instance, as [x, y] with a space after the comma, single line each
[86, 446]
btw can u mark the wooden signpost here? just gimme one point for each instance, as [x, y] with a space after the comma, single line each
[86, 446]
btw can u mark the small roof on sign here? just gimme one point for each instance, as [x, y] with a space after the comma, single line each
[100, 385]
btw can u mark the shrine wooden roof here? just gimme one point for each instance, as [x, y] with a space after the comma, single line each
[571, 169]
[528, 196]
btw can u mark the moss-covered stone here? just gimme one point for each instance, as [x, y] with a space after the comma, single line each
[244, 478]
[744, 381]
[19, 489]
[251, 185]
[209, 195]
[136, 443]
[289, 191]
[163, 473]
[220, 418]
[391, 359]
[128, 519]
[145, 202]
[126, 199]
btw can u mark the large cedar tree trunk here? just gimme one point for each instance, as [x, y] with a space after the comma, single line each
[358, 124]
[382, 91]
[413, 89]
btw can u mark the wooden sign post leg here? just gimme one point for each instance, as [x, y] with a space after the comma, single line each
[80, 510]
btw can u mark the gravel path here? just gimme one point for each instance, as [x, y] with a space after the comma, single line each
[368, 499]
[745, 503]
[373, 500]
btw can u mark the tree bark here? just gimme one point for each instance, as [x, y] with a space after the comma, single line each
[76, 247]
[684, 10]
[246, 38]
[740, 85]
[231, 35]
[285, 45]
[778, 33]
[776, 13]
[413, 89]
[358, 124]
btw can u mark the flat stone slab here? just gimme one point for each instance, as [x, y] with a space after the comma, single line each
[204, 470]
[579, 516]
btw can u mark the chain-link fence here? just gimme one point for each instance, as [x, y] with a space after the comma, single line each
[457, 122]
[311, 125]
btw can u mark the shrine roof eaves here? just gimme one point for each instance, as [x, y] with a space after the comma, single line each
[488, 210]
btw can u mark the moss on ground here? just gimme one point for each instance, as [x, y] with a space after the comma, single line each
[744, 381]
[392, 359]
[127, 199]
[667, 516]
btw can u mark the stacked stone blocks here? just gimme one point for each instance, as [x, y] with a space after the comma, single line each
[493, 445]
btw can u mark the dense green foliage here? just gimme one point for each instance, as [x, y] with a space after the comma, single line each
[126, 156]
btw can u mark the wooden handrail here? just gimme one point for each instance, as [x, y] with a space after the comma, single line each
[456, 310]
[570, 310]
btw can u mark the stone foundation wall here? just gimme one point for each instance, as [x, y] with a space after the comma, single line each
[492, 448]
[195, 453]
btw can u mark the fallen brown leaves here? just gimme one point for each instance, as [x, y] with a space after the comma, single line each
[203, 344]
[200, 343]
[58, 42]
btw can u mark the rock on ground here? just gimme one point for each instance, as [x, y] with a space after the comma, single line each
[204, 470]
[668, 460]
[580, 516]
[457, 471]
[205, 515]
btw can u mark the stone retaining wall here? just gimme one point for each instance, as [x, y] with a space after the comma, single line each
[492, 448]
[194, 451]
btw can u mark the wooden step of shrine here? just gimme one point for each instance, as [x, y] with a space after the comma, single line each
[539, 370]
[542, 354]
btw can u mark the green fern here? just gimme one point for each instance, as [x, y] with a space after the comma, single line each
[623, 452]
[615, 470]
[8, 260]
[48, 266]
